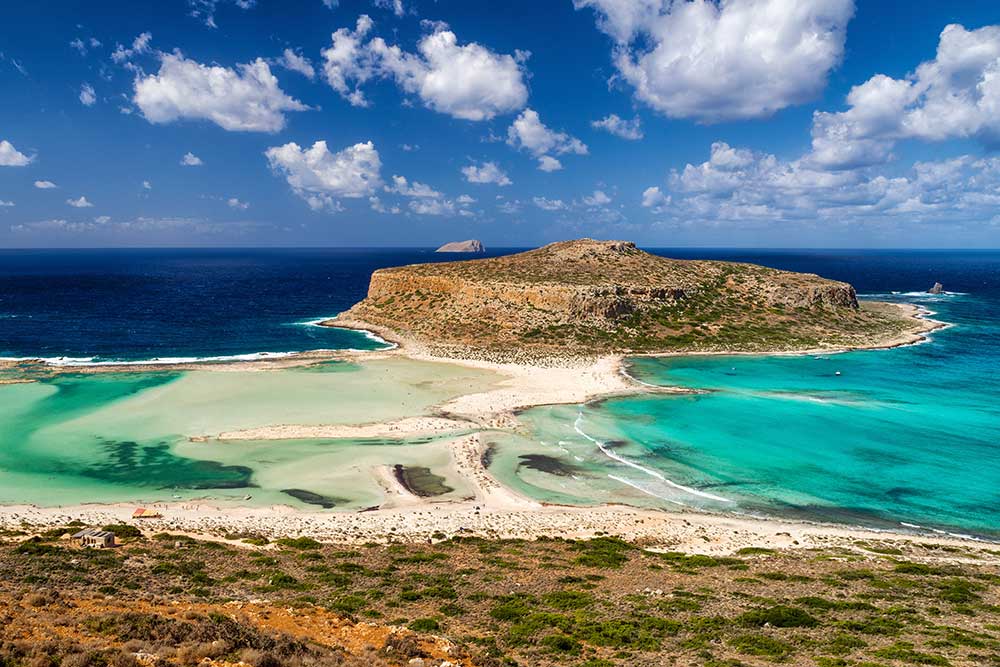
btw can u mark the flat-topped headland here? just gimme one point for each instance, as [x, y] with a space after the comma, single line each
[591, 298]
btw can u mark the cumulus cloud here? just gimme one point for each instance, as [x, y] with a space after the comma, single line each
[599, 198]
[652, 197]
[955, 95]
[432, 206]
[4, 203]
[395, 6]
[191, 160]
[140, 45]
[743, 186]
[87, 95]
[467, 81]
[45, 185]
[245, 99]
[715, 60]
[550, 204]
[79, 202]
[234, 202]
[296, 62]
[485, 172]
[321, 177]
[204, 10]
[403, 187]
[11, 157]
[549, 163]
[626, 129]
[528, 133]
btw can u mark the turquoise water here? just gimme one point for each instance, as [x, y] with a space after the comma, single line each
[903, 436]
[147, 436]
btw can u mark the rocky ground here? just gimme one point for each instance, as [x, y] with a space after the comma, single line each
[162, 599]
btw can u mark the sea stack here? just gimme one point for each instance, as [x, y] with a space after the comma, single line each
[470, 246]
[937, 289]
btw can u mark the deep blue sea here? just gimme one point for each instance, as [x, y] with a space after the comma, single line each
[905, 436]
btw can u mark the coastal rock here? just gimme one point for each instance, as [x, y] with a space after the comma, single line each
[470, 246]
[937, 289]
[601, 296]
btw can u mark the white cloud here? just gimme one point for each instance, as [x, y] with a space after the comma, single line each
[599, 198]
[102, 219]
[549, 163]
[955, 95]
[204, 10]
[402, 187]
[245, 99]
[331, 4]
[465, 200]
[234, 202]
[652, 197]
[728, 59]
[11, 157]
[432, 206]
[297, 63]
[87, 95]
[45, 185]
[626, 129]
[348, 61]
[79, 46]
[467, 81]
[767, 190]
[6, 203]
[485, 172]
[528, 133]
[80, 202]
[191, 160]
[140, 46]
[409, 148]
[396, 6]
[320, 177]
[146, 185]
[549, 204]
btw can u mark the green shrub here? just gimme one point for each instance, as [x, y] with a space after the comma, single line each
[424, 625]
[778, 616]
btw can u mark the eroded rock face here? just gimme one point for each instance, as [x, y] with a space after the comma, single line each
[937, 289]
[463, 246]
[603, 295]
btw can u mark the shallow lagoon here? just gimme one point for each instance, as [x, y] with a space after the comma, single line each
[106, 437]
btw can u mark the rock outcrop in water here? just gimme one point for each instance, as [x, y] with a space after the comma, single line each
[471, 246]
[937, 289]
[589, 296]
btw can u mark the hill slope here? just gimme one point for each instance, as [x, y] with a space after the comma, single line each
[589, 296]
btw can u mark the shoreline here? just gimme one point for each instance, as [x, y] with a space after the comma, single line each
[494, 510]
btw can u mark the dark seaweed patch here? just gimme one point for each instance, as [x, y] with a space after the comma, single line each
[155, 465]
[420, 481]
[311, 498]
[548, 464]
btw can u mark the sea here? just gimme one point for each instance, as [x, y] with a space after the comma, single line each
[907, 438]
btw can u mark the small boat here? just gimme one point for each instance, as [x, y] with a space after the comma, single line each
[247, 497]
[837, 373]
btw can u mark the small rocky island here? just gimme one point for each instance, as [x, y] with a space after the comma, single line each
[588, 297]
[937, 289]
[470, 246]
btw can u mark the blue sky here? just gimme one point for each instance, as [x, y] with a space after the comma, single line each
[779, 123]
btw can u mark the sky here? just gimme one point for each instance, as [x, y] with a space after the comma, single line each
[733, 123]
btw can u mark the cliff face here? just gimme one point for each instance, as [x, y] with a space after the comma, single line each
[609, 295]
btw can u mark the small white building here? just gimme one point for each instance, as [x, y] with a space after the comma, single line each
[94, 538]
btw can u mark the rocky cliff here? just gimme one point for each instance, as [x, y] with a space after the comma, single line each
[599, 296]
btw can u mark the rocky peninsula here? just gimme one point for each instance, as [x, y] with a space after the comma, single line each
[590, 298]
